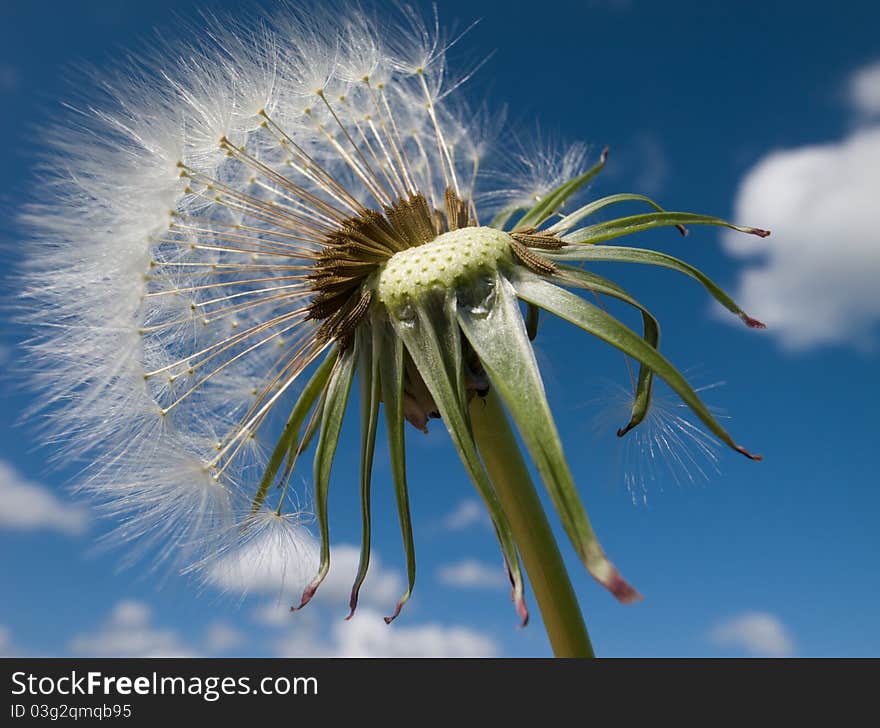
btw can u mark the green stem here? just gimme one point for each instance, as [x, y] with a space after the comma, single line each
[534, 538]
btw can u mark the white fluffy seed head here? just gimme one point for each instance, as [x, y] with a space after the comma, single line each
[174, 221]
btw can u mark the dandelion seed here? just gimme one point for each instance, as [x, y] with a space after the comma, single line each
[232, 230]
[668, 445]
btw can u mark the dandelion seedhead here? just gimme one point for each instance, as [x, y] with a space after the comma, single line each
[227, 233]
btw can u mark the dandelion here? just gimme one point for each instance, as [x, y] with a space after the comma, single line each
[233, 230]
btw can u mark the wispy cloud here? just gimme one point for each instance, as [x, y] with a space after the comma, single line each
[472, 574]
[864, 90]
[9, 78]
[757, 633]
[222, 637]
[641, 161]
[469, 512]
[814, 281]
[27, 506]
[128, 631]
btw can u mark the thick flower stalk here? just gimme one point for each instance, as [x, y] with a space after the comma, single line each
[241, 229]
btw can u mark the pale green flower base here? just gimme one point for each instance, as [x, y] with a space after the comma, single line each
[534, 538]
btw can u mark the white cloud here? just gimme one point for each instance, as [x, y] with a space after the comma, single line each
[367, 635]
[26, 506]
[864, 90]
[758, 633]
[814, 281]
[128, 632]
[641, 161]
[469, 512]
[471, 574]
[222, 637]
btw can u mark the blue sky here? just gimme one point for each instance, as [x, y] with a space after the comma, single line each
[766, 112]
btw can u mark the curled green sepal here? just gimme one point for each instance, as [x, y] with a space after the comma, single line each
[391, 375]
[430, 333]
[570, 276]
[287, 442]
[622, 254]
[570, 220]
[553, 299]
[368, 378]
[555, 199]
[494, 327]
[335, 400]
[600, 232]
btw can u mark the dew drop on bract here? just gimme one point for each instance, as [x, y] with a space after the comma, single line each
[406, 315]
[478, 297]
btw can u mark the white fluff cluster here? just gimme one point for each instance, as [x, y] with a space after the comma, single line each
[531, 170]
[174, 223]
[667, 447]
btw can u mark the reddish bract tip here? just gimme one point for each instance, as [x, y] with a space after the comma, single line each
[517, 596]
[623, 430]
[352, 603]
[683, 230]
[753, 323]
[389, 620]
[760, 232]
[749, 455]
[521, 609]
[306, 597]
[621, 589]
[604, 155]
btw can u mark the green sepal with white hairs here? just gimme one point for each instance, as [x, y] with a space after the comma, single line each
[571, 276]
